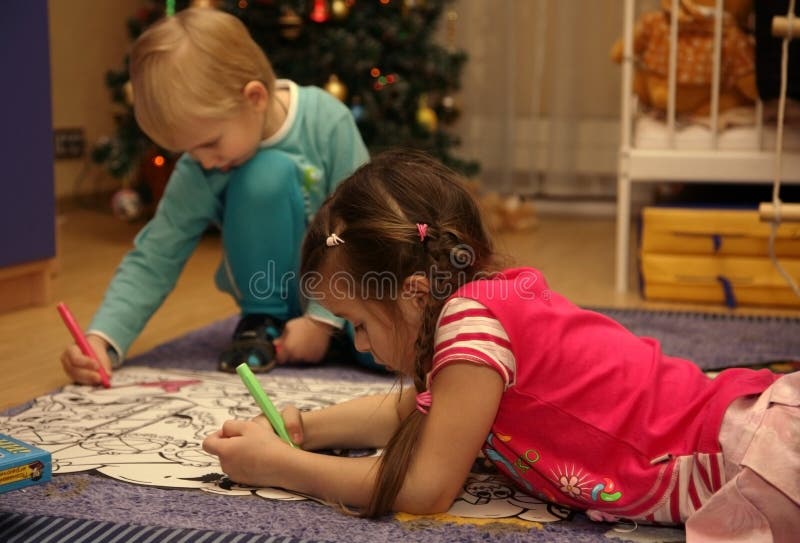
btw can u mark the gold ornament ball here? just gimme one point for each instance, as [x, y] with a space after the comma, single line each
[340, 9]
[413, 4]
[426, 118]
[336, 88]
[204, 3]
[290, 23]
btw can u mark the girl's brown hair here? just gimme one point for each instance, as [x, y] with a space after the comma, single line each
[193, 65]
[376, 212]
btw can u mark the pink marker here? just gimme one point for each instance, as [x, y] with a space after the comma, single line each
[80, 340]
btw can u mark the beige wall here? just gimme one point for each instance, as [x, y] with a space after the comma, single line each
[87, 37]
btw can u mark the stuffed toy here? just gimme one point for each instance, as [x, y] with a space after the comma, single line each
[695, 57]
[504, 213]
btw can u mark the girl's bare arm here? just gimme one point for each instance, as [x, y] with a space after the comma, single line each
[465, 399]
[365, 422]
[465, 402]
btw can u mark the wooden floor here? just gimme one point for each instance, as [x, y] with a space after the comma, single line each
[576, 256]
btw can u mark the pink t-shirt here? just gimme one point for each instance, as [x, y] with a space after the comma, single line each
[592, 417]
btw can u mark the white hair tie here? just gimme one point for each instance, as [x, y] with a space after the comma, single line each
[333, 240]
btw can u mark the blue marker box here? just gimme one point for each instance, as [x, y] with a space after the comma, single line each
[22, 465]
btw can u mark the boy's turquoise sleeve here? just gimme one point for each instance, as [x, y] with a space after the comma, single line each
[346, 150]
[318, 313]
[346, 153]
[148, 273]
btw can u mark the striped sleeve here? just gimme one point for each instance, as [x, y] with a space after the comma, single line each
[468, 332]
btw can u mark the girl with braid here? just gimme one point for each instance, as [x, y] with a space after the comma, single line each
[570, 405]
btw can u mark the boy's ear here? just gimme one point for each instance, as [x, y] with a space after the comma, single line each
[417, 288]
[256, 94]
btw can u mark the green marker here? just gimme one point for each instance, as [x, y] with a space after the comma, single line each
[263, 402]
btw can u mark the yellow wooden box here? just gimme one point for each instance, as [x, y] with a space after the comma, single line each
[714, 232]
[730, 280]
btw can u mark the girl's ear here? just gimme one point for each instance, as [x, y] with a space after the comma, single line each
[417, 288]
[256, 94]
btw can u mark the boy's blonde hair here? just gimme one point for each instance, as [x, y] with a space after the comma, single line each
[193, 65]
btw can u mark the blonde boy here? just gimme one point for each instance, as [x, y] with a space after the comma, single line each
[259, 157]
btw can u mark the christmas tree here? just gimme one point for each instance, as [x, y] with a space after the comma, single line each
[376, 56]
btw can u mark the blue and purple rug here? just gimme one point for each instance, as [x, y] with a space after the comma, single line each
[91, 507]
[712, 340]
[716, 340]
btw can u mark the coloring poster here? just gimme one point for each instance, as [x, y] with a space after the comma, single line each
[149, 427]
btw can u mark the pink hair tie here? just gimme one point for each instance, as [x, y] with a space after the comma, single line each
[422, 228]
[424, 402]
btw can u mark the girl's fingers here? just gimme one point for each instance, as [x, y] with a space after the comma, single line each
[262, 420]
[211, 444]
[233, 428]
[214, 443]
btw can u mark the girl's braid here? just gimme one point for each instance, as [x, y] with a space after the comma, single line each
[450, 263]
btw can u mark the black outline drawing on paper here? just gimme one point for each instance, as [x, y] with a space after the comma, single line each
[148, 430]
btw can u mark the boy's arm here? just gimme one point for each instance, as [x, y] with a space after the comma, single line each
[346, 150]
[149, 271]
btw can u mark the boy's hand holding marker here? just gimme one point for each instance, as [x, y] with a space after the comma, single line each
[82, 361]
